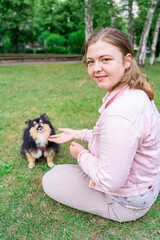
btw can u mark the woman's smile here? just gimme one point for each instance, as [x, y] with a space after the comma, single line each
[101, 78]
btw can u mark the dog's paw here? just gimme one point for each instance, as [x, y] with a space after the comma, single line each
[30, 166]
[51, 165]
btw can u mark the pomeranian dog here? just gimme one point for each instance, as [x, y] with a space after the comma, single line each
[35, 141]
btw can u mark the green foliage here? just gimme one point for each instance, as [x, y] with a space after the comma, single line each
[60, 17]
[76, 41]
[16, 19]
[101, 13]
[26, 211]
[6, 43]
[55, 40]
[43, 37]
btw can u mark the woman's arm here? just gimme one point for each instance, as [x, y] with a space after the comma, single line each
[118, 143]
[68, 134]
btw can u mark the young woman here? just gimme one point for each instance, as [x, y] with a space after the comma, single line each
[118, 177]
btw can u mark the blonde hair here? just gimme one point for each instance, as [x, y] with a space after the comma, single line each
[132, 76]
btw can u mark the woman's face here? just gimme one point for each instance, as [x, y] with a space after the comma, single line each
[106, 65]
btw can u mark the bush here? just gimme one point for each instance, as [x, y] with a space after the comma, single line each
[76, 41]
[6, 43]
[43, 38]
[55, 40]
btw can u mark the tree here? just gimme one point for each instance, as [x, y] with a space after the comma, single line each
[103, 13]
[154, 43]
[127, 11]
[145, 33]
[131, 22]
[16, 19]
[88, 19]
[55, 16]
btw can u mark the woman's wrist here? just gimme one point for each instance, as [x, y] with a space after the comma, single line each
[78, 134]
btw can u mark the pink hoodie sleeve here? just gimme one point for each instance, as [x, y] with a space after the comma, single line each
[86, 135]
[118, 143]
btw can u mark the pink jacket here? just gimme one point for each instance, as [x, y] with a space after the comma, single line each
[124, 147]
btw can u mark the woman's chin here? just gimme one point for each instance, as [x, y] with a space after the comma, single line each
[102, 85]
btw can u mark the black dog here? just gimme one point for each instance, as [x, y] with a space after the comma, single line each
[35, 141]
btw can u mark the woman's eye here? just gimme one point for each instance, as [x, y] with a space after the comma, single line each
[89, 62]
[105, 59]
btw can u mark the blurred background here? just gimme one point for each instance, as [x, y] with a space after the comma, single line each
[62, 26]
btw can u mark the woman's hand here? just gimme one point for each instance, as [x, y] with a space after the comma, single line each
[67, 135]
[75, 149]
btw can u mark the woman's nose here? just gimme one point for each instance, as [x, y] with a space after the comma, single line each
[97, 67]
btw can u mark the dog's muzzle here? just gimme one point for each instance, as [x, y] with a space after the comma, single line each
[40, 127]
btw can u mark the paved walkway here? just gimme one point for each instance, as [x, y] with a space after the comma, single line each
[36, 63]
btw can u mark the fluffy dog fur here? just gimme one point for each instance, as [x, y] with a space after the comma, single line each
[35, 141]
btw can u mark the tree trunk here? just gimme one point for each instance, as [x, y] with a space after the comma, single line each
[45, 43]
[131, 22]
[88, 19]
[15, 39]
[112, 14]
[154, 43]
[158, 58]
[144, 37]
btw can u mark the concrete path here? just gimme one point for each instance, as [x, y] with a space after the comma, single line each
[35, 63]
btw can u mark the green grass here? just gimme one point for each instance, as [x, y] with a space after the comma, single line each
[26, 212]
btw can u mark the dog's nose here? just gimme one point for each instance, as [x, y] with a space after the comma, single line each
[39, 124]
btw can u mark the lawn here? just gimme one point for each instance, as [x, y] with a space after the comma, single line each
[26, 212]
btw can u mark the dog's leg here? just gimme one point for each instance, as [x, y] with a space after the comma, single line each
[31, 160]
[50, 156]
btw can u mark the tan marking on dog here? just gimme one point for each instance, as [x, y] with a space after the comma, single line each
[31, 159]
[50, 154]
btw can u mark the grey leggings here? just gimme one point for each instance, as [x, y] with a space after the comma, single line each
[68, 184]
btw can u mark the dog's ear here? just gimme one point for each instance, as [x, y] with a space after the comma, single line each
[45, 116]
[28, 122]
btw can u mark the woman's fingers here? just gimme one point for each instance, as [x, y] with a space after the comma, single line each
[56, 140]
[61, 129]
[55, 136]
[66, 135]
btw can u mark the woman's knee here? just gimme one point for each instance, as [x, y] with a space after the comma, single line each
[49, 182]
[45, 181]
[54, 181]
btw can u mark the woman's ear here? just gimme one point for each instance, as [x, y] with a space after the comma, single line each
[127, 60]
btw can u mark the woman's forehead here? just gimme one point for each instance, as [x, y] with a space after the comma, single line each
[102, 48]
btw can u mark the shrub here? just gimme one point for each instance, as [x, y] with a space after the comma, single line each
[43, 38]
[76, 41]
[55, 40]
[6, 43]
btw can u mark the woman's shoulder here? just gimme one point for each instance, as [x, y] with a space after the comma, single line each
[136, 95]
[134, 98]
[130, 104]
